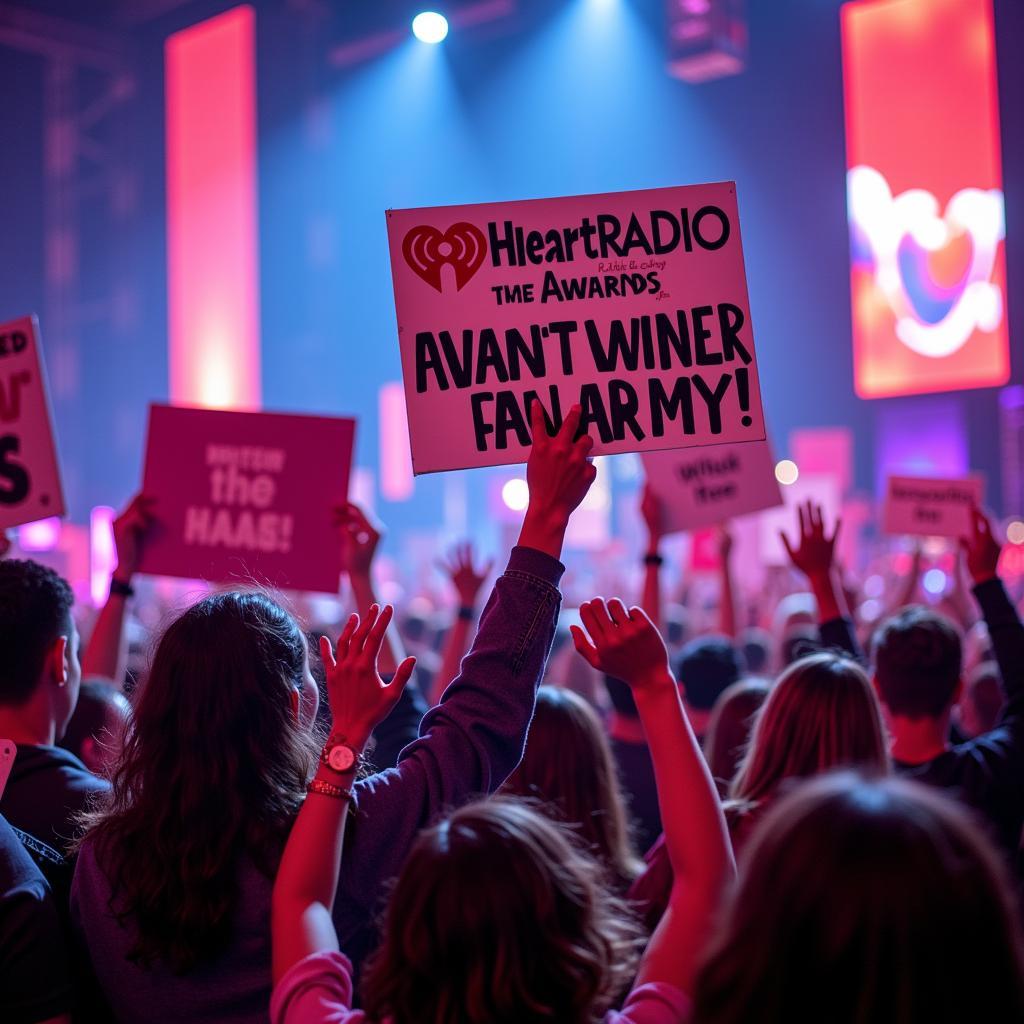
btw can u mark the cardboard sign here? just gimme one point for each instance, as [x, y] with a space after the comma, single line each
[924, 507]
[246, 497]
[706, 487]
[632, 304]
[30, 486]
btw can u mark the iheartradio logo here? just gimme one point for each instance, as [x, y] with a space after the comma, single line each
[933, 268]
[427, 250]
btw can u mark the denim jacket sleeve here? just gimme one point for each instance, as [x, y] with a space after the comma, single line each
[468, 744]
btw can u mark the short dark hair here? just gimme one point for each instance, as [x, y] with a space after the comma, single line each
[35, 609]
[90, 715]
[917, 662]
[706, 667]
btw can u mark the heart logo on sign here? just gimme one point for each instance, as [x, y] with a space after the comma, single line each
[427, 250]
[933, 269]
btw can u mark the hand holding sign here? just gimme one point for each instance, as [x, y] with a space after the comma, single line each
[559, 474]
[653, 514]
[130, 529]
[622, 644]
[359, 698]
[981, 548]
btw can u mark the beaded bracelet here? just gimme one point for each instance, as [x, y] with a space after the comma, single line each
[329, 789]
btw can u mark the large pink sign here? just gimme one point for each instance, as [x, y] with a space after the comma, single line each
[246, 497]
[30, 486]
[633, 304]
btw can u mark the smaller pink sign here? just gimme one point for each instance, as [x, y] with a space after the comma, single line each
[706, 486]
[30, 486]
[925, 507]
[246, 497]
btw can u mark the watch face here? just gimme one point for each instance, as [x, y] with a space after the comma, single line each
[341, 758]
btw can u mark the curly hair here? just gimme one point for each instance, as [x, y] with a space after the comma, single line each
[500, 917]
[214, 770]
[35, 609]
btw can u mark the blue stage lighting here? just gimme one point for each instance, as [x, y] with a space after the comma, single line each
[430, 27]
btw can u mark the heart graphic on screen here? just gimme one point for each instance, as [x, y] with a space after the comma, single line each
[427, 250]
[934, 269]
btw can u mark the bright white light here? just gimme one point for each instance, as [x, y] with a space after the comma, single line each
[786, 472]
[1015, 532]
[516, 494]
[934, 581]
[430, 27]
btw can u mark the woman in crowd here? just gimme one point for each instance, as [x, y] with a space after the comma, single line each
[568, 766]
[866, 902]
[173, 881]
[497, 918]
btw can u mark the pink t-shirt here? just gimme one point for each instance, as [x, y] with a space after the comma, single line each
[318, 990]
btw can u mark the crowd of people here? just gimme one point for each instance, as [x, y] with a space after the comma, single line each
[813, 821]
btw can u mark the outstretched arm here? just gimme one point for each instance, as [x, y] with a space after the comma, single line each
[814, 556]
[467, 581]
[360, 536]
[106, 654]
[728, 619]
[627, 645]
[307, 879]
[653, 516]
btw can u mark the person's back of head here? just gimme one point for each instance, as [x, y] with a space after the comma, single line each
[756, 647]
[95, 734]
[38, 640]
[799, 642]
[983, 699]
[881, 898]
[499, 917]
[705, 668]
[820, 714]
[213, 771]
[568, 765]
[732, 719]
[917, 658]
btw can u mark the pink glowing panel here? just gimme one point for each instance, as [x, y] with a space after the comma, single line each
[42, 535]
[102, 553]
[824, 450]
[212, 237]
[396, 481]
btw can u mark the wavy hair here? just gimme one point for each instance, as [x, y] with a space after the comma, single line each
[568, 765]
[214, 770]
[866, 902]
[500, 917]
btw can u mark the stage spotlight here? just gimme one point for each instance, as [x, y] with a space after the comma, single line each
[516, 494]
[786, 472]
[934, 581]
[430, 27]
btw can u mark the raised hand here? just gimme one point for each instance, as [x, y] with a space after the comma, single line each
[360, 536]
[559, 474]
[981, 549]
[815, 550]
[358, 697]
[622, 643]
[466, 578]
[654, 519]
[130, 529]
[725, 542]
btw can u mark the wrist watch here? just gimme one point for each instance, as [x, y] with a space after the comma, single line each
[339, 756]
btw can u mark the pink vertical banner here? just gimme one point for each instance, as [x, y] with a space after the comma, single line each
[212, 236]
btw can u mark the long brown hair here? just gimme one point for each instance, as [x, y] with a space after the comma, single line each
[821, 714]
[568, 765]
[866, 902]
[500, 917]
[213, 770]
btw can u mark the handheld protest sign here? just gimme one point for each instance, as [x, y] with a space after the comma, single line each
[246, 497]
[923, 507]
[30, 484]
[707, 486]
[633, 304]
